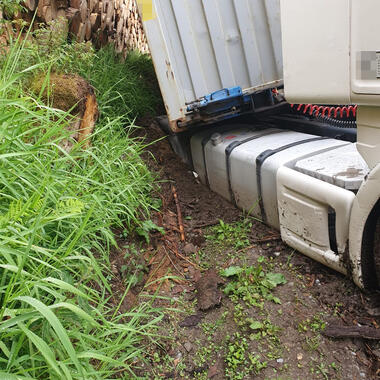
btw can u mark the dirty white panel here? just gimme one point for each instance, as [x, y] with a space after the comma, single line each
[202, 46]
[303, 205]
[343, 167]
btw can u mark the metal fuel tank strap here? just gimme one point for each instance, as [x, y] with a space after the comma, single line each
[262, 157]
[230, 148]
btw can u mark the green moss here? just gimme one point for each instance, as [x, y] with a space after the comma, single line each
[61, 91]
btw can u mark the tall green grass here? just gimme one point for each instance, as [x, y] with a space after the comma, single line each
[57, 214]
[115, 84]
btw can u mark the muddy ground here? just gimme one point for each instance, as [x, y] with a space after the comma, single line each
[247, 306]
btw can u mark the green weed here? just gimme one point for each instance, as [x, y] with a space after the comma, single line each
[239, 361]
[10, 7]
[234, 235]
[252, 284]
[58, 213]
[312, 344]
[315, 324]
[209, 328]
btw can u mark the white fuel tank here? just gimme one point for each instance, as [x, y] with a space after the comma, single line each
[241, 163]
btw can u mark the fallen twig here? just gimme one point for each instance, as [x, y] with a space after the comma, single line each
[183, 257]
[179, 214]
[170, 259]
[209, 224]
[247, 248]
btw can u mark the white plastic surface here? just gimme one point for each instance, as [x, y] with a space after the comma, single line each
[244, 170]
[316, 50]
[216, 157]
[202, 46]
[197, 148]
[343, 167]
[330, 51]
[303, 204]
[296, 203]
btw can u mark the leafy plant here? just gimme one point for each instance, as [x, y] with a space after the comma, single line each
[234, 235]
[146, 227]
[264, 329]
[126, 89]
[10, 7]
[315, 324]
[239, 361]
[252, 284]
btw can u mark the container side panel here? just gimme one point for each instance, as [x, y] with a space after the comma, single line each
[250, 45]
[196, 44]
[227, 42]
[202, 46]
[215, 27]
[274, 19]
[169, 88]
[264, 39]
[174, 47]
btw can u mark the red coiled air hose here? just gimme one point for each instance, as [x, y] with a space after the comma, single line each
[318, 110]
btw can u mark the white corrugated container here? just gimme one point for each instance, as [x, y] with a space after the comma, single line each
[202, 46]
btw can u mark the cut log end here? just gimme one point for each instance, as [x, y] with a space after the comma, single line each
[119, 19]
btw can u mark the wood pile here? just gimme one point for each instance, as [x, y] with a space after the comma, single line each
[100, 21]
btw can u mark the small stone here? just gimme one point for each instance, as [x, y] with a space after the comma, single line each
[281, 360]
[277, 254]
[191, 320]
[188, 346]
[178, 356]
[189, 248]
[299, 356]
[291, 284]
[317, 282]
[363, 375]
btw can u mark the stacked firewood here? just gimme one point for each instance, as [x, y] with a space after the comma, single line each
[101, 21]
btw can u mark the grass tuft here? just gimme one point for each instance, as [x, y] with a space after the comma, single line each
[58, 211]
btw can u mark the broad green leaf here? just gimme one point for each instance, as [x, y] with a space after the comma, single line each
[4, 325]
[276, 278]
[4, 348]
[56, 325]
[231, 271]
[9, 376]
[75, 309]
[256, 325]
[42, 347]
[66, 286]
